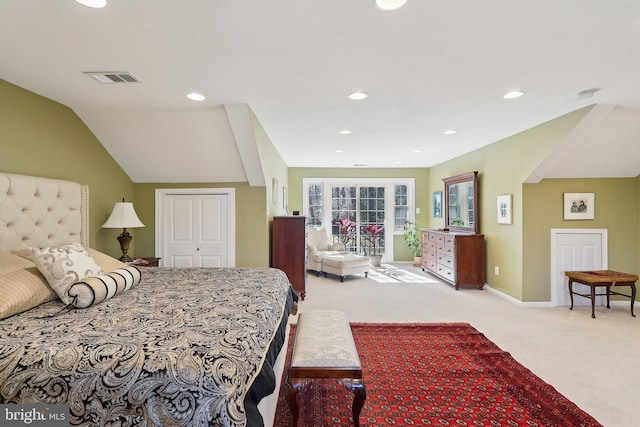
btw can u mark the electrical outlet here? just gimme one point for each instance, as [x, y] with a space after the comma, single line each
[496, 270]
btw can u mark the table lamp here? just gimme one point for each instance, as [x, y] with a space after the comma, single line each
[123, 216]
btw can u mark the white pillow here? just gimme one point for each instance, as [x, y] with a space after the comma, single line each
[63, 266]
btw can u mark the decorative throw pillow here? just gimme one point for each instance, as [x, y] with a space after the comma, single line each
[63, 266]
[94, 290]
[22, 287]
[106, 262]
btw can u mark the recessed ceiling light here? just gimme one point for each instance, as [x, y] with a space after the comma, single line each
[195, 96]
[398, 162]
[513, 94]
[97, 4]
[338, 151]
[345, 132]
[450, 132]
[358, 96]
[417, 151]
[389, 4]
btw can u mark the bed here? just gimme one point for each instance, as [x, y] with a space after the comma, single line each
[192, 347]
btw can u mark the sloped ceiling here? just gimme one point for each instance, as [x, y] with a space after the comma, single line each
[428, 67]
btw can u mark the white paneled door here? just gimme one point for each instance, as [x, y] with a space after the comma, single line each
[575, 250]
[195, 230]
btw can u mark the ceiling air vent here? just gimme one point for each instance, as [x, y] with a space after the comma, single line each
[113, 77]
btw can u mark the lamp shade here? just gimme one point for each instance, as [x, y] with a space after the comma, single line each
[123, 216]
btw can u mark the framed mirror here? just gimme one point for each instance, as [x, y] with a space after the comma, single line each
[461, 202]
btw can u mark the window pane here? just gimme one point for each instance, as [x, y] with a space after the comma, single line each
[401, 214]
[363, 205]
[372, 216]
[343, 214]
[315, 205]
[401, 208]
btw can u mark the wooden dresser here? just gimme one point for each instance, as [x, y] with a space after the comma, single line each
[457, 258]
[289, 249]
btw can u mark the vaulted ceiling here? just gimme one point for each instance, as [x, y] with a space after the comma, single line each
[428, 67]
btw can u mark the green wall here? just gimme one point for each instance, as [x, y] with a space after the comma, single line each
[503, 167]
[252, 249]
[276, 179]
[522, 250]
[421, 176]
[615, 210]
[41, 137]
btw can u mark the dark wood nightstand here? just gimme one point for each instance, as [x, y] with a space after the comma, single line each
[146, 262]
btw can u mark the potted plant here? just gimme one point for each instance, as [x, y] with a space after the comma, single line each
[372, 234]
[412, 240]
[346, 231]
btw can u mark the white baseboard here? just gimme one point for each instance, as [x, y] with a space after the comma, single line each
[516, 301]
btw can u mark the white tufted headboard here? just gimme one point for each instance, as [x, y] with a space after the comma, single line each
[41, 212]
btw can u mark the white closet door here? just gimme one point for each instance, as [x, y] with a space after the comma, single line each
[195, 230]
[576, 250]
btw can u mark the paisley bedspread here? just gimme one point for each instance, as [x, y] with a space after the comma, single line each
[182, 348]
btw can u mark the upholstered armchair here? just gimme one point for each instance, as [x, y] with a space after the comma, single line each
[318, 245]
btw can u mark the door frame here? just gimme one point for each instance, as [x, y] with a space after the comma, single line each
[554, 235]
[161, 197]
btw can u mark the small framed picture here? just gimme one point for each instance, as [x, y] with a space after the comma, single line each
[285, 197]
[579, 206]
[274, 191]
[504, 209]
[437, 204]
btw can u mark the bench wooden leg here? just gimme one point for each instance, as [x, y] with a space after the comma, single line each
[359, 396]
[294, 386]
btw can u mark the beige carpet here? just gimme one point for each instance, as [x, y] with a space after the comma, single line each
[591, 361]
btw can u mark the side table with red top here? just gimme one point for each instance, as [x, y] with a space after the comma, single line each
[606, 278]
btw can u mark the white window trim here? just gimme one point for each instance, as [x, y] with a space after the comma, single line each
[388, 183]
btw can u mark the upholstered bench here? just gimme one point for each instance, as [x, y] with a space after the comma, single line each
[324, 348]
[345, 264]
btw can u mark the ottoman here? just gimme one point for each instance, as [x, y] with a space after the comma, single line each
[345, 264]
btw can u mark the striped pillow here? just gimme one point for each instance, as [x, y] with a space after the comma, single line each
[93, 290]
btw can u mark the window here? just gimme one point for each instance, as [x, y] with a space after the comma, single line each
[314, 215]
[401, 206]
[344, 215]
[345, 206]
[372, 219]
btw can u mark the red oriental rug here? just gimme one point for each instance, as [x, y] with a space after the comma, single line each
[433, 375]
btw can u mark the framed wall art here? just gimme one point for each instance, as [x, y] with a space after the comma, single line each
[285, 197]
[579, 206]
[437, 204]
[274, 191]
[504, 209]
